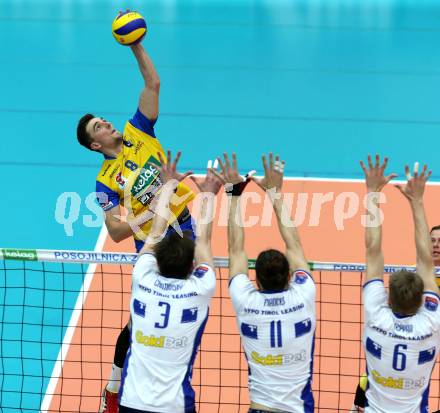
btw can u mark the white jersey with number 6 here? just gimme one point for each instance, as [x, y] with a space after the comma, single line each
[277, 329]
[168, 316]
[400, 352]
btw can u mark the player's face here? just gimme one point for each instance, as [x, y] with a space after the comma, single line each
[103, 133]
[435, 239]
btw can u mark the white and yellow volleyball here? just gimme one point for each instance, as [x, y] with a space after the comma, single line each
[129, 28]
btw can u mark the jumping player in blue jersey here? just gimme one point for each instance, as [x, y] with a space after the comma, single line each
[359, 399]
[173, 282]
[277, 319]
[401, 326]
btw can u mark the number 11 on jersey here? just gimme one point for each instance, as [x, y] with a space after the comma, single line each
[276, 337]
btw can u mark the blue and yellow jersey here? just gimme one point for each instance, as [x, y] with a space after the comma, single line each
[132, 181]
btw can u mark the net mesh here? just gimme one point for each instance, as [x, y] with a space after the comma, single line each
[59, 324]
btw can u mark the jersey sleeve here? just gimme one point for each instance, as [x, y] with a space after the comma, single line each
[141, 122]
[145, 264]
[375, 297]
[302, 282]
[203, 276]
[240, 288]
[106, 197]
[430, 309]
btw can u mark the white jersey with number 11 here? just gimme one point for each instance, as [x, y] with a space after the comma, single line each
[277, 329]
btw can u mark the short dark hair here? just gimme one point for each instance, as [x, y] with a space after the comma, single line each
[437, 227]
[406, 292]
[272, 270]
[175, 255]
[82, 135]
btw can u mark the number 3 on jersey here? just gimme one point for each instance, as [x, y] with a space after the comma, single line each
[165, 315]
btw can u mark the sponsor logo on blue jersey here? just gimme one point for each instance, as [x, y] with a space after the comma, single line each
[426, 356]
[139, 308]
[189, 315]
[431, 303]
[274, 301]
[303, 327]
[398, 383]
[161, 341]
[408, 328]
[279, 359]
[200, 271]
[249, 330]
[374, 348]
[300, 277]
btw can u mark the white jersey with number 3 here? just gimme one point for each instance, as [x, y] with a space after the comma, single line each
[168, 316]
[400, 352]
[277, 329]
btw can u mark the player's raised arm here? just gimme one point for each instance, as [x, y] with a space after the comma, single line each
[272, 184]
[149, 99]
[109, 201]
[117, 229]
[170, 178]
[413, 192]
[235, 184]
[209, 186]
[375, 180]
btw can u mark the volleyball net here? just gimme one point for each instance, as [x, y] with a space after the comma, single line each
[62, 311]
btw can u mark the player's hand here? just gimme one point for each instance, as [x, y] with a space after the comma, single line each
[374, 174]
[229, 172]
[415, 187]
[273, 174]
[210, 183]
[168, 169]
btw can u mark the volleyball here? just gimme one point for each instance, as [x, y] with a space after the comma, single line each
[129, 28]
